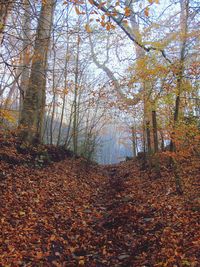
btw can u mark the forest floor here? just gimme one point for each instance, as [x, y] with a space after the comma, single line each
[71, 214]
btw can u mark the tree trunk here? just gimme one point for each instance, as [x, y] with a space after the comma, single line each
[184, 4]
[54, 97]
[184, 28]
[148, 133]
[75, 119]
[155, 131]
[5, 6]
[26, 51]
[134, 142]
[162, 141]
[31, 122]
[65, 84]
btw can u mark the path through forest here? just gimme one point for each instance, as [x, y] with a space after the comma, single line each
[72, 214]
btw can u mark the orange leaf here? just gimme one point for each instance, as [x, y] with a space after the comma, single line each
[53, 237]
[146, 11]
[108, 26]
[103, 23]
[101, 5]
[127, 12]
[39, 255]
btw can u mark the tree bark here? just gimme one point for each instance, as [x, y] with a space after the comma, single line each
[31, 122]
[134, 142]
[75, 117]
[54, 97]
[184, 28]
[26, 51]
[65, 84]
[5, 6]
[148, 132]
[184, 4]
[155, 131]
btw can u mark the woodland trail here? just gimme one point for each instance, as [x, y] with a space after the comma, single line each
[124, 239]
[69, 214]
[57, 225]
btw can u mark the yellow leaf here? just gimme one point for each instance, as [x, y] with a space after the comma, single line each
[7, 115]
[77, 10]
[88, 29]
[22, 213]
[1, 26]
[11, 248]
[81, 262]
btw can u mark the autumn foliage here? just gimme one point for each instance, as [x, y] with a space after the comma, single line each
[68, 214]
[86, 81]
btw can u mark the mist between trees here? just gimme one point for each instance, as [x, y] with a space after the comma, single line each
[104, 79]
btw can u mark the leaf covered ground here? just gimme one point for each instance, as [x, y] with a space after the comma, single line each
[70, 214]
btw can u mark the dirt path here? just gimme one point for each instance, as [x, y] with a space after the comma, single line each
[113, 216]
[122, 235]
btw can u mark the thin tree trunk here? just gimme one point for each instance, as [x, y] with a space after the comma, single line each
[61, 120]
[54, 96]
[148, 133]
[134, 141]
[65, 84]
[68, 137]
[75, 130]
[162, 141]
[155, 131]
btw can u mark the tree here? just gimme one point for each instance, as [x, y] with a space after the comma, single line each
[26, 57]
[184, 15]
[32, 114]
[5, 6]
